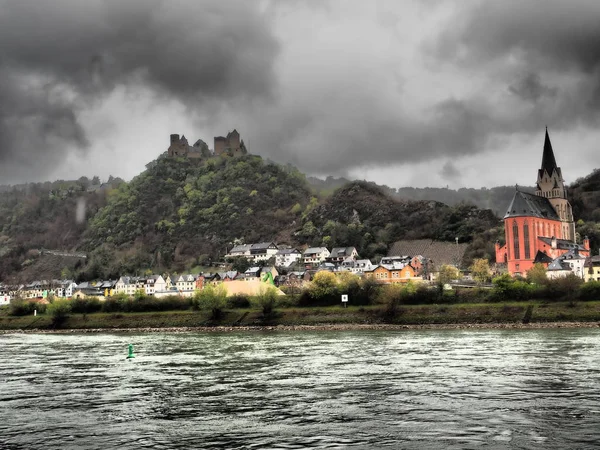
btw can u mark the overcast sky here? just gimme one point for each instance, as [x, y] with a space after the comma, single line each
[404, 93]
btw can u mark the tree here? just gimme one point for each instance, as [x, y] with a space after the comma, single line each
[537, 274]
[212, 299]
[266, 301]
[447, 273]
[324, 284]
[59, 310]
[240, 264]
[481, 270]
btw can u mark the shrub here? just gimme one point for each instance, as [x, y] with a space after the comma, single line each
[589, 291]
[20, 307]
[564, 288]
[508, 288]
[59, 310]
[213, 299]
[238, 301]
[266, 301]
[85, 305]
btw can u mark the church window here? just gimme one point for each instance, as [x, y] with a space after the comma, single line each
[516, 241]
[526, 240]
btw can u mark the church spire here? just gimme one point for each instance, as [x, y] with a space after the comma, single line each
[548, 161]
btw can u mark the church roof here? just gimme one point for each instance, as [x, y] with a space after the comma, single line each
[563, 244]
[542, 257]
[548, 160]
[529, 205]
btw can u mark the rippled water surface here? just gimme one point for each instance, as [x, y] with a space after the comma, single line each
[406, 389]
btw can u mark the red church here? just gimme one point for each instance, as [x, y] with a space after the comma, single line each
[539, 227]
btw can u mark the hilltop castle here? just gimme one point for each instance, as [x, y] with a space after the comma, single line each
[540, 228]
[231, 145]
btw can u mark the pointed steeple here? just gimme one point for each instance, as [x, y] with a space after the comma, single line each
[548, 160]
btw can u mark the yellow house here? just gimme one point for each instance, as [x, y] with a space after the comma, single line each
[393, 274]
[591, 269]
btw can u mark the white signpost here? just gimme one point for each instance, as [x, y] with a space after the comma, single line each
[345, 299]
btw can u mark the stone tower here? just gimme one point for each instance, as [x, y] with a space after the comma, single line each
[550, 184]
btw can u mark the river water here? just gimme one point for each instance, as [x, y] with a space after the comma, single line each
[288, 390]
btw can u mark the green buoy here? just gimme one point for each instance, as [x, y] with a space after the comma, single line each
[131, 355]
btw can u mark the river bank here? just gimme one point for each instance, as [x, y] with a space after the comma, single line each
[323, 327]
[483, 315]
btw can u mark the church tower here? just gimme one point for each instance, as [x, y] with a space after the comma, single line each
[550, 184]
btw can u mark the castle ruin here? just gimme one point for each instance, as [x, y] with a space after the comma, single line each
[231, 145]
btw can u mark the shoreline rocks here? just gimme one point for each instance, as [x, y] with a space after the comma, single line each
[323, 327]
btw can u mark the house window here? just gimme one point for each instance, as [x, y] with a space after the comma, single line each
[516, 241]
[526, 239]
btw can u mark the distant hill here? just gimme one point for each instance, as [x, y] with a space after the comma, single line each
[497, 198]
[364, 215]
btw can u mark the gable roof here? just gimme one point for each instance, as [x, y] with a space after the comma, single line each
[439, 252]
[341, 252]
[563, 244]
[287, 251]
[529, 205]
[241, 248]
[315, 250]
[262, 246]
[541, 257]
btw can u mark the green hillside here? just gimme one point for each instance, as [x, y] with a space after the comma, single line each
[183, 213]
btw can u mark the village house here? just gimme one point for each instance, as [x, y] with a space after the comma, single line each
[592, 268]
[229, 275]
[125, 285]
[569, 263]
[287, 257]
[4, 295]
[339, 254]
[263, 251]
[185, 284]
[239, 250]
[357, 267]
[393, 274]
[65, 289]
[314, 256]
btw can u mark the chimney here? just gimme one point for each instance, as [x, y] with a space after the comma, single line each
[553, 242]
[174, 138]
[586, 243]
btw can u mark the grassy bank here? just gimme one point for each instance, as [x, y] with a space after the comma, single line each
[459, 314]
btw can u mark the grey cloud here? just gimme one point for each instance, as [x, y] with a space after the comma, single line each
[545, 39]
[449, 172]
[59, 58]
[530, 87]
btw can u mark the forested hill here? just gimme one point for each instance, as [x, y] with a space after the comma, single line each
[182, 213]
[497, 198]
[364, 215]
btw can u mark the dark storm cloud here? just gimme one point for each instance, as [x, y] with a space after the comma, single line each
[545, 39]
[530, 87]
[58, 58]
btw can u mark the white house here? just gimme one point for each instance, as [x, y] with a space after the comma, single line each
[340, 254]
[239, 250]
[126, 285]
[4, 299]
[357, 267]
[263, 251]
[287, 257]
[185, 283]
[315, 255]
[570, 262]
